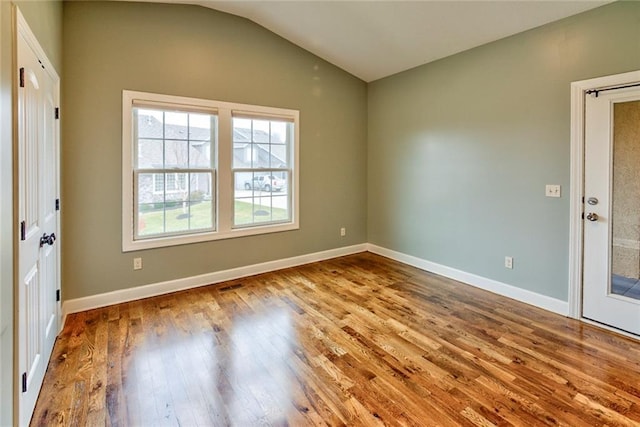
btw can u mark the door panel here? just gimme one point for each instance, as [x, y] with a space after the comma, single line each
[32, 314]
[612, 209]
[48, 215]
[30, 150]
[38, 258]
[31, 361]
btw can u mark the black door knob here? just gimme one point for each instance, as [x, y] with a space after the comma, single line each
[47, 239]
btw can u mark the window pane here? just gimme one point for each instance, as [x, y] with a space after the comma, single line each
[183, 204]
[147, 183]
[150, 204]
[280, 209]
[200, 187]
[201, 200]
[241, 130]
[200, 140]
[260, 143]
[243, 212]
[176, 125]
[177, 216]
[241, 155]
[260, 130]
[200, 127]
[150, 123]
[279, 132]
[260, 209]
[176, 154]
[200, 154]
[150, 219]
[150, 154]
[242, 149]
[261, 156]
[279, 156]
[201, 215]
[261, 212]
[260, 197]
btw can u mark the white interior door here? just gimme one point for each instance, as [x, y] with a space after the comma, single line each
[611, 283]
[38, 305]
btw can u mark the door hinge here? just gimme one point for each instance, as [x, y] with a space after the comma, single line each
[24, 382]
[582, 199]
[582, 215]
[57, 113]
[21, 77]
[57, 204]
[57, 295]
[23, 230]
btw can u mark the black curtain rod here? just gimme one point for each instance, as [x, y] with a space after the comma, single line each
[597, 91]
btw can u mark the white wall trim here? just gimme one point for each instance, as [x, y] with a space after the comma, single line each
[576, 185]
[130, 294]
[519, 294]
[576, 192]
[154, 289]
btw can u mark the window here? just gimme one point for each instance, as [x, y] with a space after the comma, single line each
[197, 170]
[261, 180]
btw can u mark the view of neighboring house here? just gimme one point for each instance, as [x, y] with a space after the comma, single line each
[185, 146]
[257, 149]
[165, 146]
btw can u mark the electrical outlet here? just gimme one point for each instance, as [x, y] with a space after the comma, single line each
[552, 190]
[137, 263]
[343, 232]
[508, 262]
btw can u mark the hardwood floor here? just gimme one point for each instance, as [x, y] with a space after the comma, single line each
[358, 340]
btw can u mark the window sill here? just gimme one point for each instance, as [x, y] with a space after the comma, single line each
[162, 242]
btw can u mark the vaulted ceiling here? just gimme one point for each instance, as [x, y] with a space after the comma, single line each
[375, 39]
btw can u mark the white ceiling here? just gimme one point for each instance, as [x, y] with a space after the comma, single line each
[375, 39]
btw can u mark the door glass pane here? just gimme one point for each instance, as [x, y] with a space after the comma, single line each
[625, 222]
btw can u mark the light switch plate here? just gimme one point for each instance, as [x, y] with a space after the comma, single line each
[552, 190]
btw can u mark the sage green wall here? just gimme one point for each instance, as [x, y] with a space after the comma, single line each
[198, 52]
[45, 20]
[460, 149]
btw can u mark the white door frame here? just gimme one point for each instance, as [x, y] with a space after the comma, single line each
[576, 206]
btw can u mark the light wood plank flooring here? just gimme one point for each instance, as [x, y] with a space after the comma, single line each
[358, 340]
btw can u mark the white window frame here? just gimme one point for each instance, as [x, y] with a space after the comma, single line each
[267, 171]
[223, 166]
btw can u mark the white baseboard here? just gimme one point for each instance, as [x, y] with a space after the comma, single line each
[146, 291]
[154, 289]
[519, 294]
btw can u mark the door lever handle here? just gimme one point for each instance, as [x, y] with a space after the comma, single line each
[593, 217]
[47, 239]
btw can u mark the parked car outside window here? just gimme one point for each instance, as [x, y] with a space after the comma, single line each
[265, 183]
